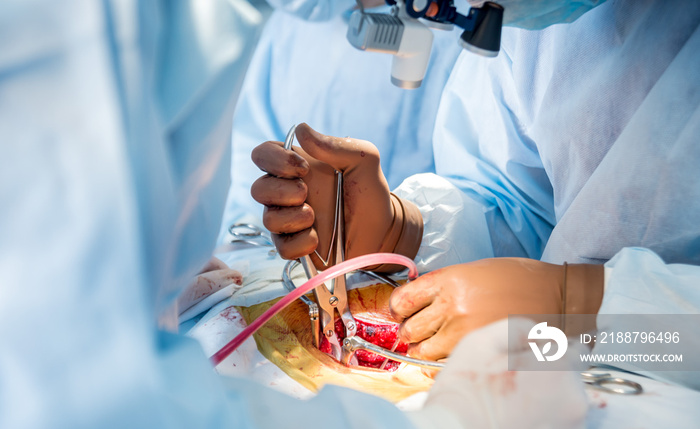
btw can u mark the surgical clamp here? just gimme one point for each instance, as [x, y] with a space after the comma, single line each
[607, 383]
[333, 298]
[327, 300]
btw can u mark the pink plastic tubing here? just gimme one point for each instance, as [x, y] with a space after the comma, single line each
[331, 273]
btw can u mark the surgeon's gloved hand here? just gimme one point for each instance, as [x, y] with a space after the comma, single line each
[214, 276]
[299, 194]
[439, 308]
[476, 390]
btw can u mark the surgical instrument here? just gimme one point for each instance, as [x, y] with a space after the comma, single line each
[313, 306]
[249, 234]
[352, 344]
[333, 297]
[328, 300]
[607, 383]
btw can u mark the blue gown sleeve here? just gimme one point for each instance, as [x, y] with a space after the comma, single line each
[483, 150]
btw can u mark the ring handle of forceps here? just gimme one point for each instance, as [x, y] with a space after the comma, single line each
[249, 237]
[603, 381]
[254, 230]
[289, 284]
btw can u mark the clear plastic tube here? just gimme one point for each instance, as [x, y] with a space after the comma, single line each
[331, 273]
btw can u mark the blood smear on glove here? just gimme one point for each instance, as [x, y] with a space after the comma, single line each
[379, 332]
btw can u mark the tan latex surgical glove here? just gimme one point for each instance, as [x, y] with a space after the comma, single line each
[299, 194]
[476, 390]
[214, 276]
[440, 307]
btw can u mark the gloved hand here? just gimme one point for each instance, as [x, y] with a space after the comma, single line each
[299, 194]
[439, 308]
[214, 276]
[476, 390]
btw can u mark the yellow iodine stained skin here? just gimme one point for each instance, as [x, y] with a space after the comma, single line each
[286, 340]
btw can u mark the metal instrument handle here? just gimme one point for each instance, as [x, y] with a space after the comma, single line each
[289, 284]
[290, 137]
[382, 278]
[313, 307]
[352, 344]
[254, 231]
[607, 383]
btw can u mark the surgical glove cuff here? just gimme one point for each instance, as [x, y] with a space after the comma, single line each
[404, 235]
[582, 292]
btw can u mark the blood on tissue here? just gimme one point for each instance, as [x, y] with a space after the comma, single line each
[382, 334]
[504, 381]
[231, 314]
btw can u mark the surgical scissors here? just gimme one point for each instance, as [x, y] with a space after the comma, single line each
[607, 383]
[249, 234]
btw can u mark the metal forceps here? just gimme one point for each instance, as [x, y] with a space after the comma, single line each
[250, 235]
[607, 383]
[333, 297]
[328, 300]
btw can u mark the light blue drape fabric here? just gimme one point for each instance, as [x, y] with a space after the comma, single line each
[579, 140]
[109, 143]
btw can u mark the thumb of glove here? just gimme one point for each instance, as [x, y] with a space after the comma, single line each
[343, 154]
[374, 219]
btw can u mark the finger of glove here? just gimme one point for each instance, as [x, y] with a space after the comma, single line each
[444, 341]
[434, 348]
[274, 191]
[321, 195]
[340, 153]
[365, 191]
[412, 297]
[274, 159]
[287, 220]
[213, 264]
[432, 373]
[206, 284]
[294, 246]
[422, 325]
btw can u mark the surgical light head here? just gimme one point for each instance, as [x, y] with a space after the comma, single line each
[405, 33]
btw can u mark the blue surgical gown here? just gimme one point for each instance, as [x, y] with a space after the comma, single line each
[576, 141]
[113, 126]
[579, 144]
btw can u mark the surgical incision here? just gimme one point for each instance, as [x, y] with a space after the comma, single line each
[380, 332]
